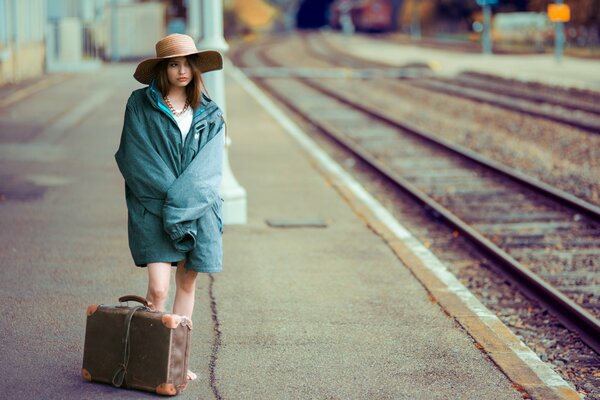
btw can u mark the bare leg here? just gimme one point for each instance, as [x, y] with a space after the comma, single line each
[185, 291]
[185, 294]
[159, 276]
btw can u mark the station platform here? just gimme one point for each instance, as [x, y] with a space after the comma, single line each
[543, 68]
[330, 312]
[326, 311]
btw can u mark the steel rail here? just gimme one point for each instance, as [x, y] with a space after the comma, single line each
[472, 81]
[563, 197]
[456, 46]
[452, 89]
[506, 103]
[559, 195]
[570, 314]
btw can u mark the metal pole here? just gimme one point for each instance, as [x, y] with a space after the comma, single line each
[234, 207]
[193, 19]
[114, 31]
[487, 31]
[16, 47]
[415, 27]
[559, 38]
[15, 19]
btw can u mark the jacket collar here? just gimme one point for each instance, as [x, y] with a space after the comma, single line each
[156, 99]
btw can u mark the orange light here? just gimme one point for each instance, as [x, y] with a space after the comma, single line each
[255, 13]
[559, 12]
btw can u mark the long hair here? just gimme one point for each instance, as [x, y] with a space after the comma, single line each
[193, 90]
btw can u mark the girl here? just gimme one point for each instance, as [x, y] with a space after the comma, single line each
[170, 156]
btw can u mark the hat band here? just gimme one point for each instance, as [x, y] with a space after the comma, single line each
[175, 50]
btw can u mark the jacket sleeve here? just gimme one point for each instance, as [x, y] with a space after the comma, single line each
[196, 189]
[143, 169]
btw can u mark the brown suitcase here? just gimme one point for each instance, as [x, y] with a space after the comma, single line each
[136, 347]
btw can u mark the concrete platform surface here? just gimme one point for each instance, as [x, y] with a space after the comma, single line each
[543, 68]
[298, 313]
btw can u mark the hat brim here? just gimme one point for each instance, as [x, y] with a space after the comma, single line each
[208, 60]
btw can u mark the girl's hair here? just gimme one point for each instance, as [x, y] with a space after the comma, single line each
[193, 90]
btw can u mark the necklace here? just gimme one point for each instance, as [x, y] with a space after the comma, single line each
[176, 113]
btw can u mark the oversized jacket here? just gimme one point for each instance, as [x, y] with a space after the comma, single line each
[171, 186]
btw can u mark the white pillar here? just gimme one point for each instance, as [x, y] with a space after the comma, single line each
[234, 207]
[193, 19]
[69, 41]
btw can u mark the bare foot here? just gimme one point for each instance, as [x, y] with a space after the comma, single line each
[191, 376]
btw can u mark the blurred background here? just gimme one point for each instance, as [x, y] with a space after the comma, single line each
[39, 36]
[394, 90]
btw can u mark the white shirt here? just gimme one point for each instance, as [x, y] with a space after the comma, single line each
[184, 121]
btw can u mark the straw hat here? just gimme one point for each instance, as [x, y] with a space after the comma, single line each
[177, 45]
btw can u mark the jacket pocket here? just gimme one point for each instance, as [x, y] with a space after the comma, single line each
[185, 243]
[137, 229]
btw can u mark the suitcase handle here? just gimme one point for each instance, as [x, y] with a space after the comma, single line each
[139, 299]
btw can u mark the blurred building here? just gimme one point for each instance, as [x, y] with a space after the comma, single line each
[74, 34]
[22, 39]
[38, 36]
[133, 28]
[82, 32]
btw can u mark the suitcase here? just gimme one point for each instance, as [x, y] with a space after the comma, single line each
[136, 347]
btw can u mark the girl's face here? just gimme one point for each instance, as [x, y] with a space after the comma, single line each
[179, 72]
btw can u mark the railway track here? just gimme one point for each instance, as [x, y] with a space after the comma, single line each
[577, 108]
[459, 46]
[572, 99]
[547, 241]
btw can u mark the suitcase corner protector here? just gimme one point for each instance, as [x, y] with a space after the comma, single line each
[172, 321]
[92, 309]
[166, 389]
[85, 374]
